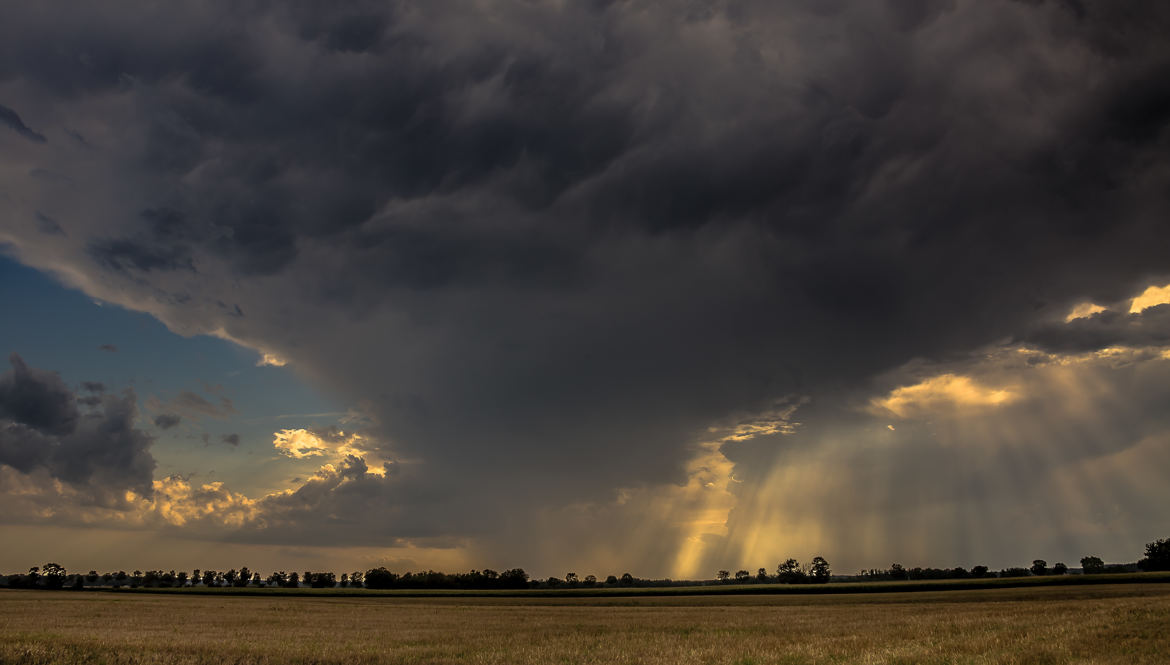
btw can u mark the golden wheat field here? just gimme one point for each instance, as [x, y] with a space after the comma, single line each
[1102, 624]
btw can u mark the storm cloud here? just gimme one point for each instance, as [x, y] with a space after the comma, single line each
[101, 454]
[548, 247]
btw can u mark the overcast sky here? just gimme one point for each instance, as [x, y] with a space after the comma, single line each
[659, 287]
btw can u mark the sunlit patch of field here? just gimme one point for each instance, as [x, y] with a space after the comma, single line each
[1099, 624]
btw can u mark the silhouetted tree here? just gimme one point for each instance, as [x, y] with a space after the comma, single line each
[571, 578]
[762, 575]
[1092, 565]
[209, 577]
[1059, 568]
[590, 580]
[723, 575]
[1039, 567]
[53, 576]
[1157, 556]
[979, 571]
[627, 578]
[514, 578]
[742, 575]
[292, 581]
[611, 580]
[789, 572]
[818, 570]
[897, 572]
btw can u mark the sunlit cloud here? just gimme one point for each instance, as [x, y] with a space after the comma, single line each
[177, 502]
[331, 444]
[946, 392]
[1083, 310]
[1151, 297]
[270, 360]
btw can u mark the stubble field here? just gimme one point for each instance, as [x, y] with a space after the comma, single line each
[1101, 624]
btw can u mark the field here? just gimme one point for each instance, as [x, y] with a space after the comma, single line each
[1124, 623]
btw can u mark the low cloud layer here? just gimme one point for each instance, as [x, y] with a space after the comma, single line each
[548, 247]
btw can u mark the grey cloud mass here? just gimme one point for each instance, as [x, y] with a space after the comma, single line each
[548, 245]
[10, 118]
[100, 454]
[165, 421]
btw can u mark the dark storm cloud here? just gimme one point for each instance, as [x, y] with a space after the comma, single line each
[550, 244]
[41, 429]
[10, 118]
[165, 421]
[37, 398]
[1150, 327]
[231, 439]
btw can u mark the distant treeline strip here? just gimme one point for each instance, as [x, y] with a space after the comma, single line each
[789, 575]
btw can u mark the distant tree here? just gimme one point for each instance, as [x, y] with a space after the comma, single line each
[53, 575]
[611, 580]
[1059, 568]
[307, 578]
[195, 577]
[356, 578]
[181, 578]
[1157, 556]
[244, 577]
[723, 575]
[897, 572]
[979, 571]
[292, 581]
[137, 579]
[552, 581]
[626, 578]
[344, 580]
[230, 577]
[1092, 565]
[818, 570]
[91, 577]
[256, 579]
[321, 580]
[762, 575]
[790, 572]
[1039, 567]
[590, 580]
[742, 575]
[514, 578]
[571, 578]
[1015, 572]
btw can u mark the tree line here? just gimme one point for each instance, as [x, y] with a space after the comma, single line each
[790, 571]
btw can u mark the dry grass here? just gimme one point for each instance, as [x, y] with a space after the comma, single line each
[1104, 624]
